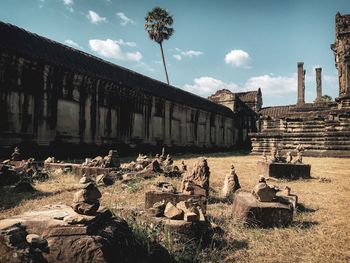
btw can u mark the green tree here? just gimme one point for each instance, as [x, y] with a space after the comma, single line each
[326, 97]
[158, 26]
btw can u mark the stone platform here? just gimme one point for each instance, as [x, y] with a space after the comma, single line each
[264, 214]
[284, 170]
[57, 234]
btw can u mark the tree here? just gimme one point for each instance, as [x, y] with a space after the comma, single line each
[326, 97]
[158, 26]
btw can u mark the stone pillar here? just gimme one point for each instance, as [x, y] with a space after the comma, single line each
[301, 84]
[318, 84]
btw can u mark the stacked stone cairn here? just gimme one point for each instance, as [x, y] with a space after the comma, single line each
[16, 155]
[231, 183]
[86, 200]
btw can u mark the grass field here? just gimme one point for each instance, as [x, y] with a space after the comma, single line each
[320, 231]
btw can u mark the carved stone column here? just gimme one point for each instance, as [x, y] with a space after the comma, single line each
[318, 84]
[301, 85]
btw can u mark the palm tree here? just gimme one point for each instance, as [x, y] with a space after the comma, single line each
[158, 26]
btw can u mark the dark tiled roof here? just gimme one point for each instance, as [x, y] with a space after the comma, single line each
[276, 111]
[248, 96]
[19, 41]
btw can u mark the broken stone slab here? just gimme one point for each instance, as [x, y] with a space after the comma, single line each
[264, 214]
[172, 212]
[284, 170]
[102, 238]
[153, 197]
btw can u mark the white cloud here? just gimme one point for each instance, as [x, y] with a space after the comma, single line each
[188, 53]
[95, 18]
[177, 56]
[69, 4]
[124, 19]
[73, 44]
[191, 53]
[126, 43]
[238, 58]
[112, 49]
[205, 86]
[272, 86]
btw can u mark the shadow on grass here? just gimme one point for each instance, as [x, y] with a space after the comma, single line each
[301, 208]
[222, 243]
[304, 224]
[219, 200]
[10, 199]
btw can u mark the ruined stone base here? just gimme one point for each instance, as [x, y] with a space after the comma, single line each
[264, 214]
[79, 170]
[153, 197]
[284, 170]
[67, 237]
[181, 236]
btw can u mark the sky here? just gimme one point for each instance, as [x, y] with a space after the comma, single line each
[237, 45]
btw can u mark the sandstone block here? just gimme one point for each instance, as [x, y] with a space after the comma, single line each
[284, 170]
[172, 212]
[265, 214]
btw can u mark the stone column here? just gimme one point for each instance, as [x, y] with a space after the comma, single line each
[318, 84]
[301, 85]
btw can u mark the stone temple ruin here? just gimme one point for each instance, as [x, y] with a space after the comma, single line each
[322, 127]
[64, 101]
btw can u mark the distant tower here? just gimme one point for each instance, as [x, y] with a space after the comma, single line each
[341, 49]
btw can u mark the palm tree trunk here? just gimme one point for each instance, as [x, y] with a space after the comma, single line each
[166, 72]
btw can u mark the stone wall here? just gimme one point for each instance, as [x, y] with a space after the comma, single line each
[62, 104]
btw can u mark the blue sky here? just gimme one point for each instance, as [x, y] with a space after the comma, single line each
[239, 45]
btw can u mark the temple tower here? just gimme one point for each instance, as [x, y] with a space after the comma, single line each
[301, 85]
[341, 49]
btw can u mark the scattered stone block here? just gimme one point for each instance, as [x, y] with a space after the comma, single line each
[172, 212]
[284, 170]
[265, 214]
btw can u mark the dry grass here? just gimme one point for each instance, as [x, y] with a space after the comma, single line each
[320, 232]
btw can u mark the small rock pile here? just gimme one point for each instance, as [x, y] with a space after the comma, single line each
[188, 211]
[86, 201]
[109, 161]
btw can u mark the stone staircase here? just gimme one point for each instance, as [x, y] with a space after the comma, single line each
[320, 137]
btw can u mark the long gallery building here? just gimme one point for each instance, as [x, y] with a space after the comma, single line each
[67, 102]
